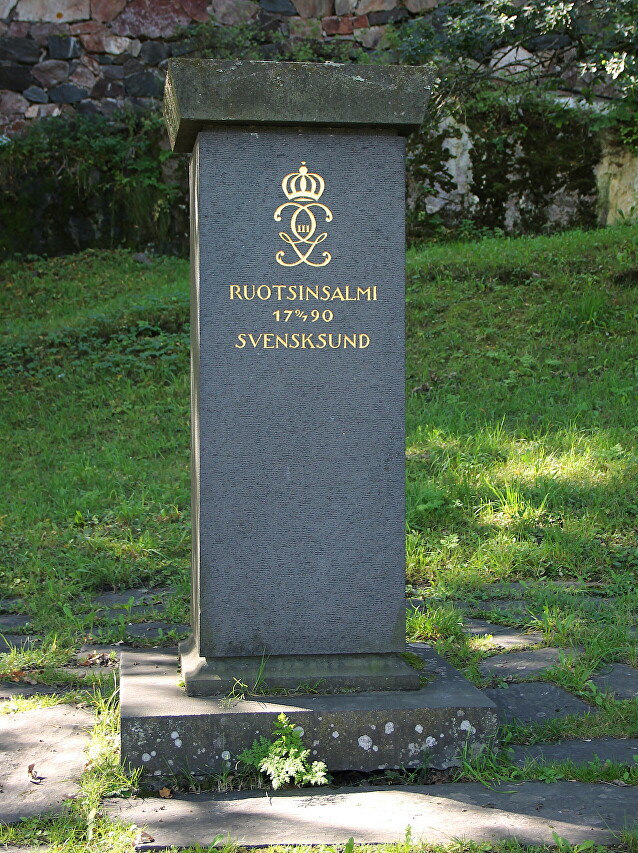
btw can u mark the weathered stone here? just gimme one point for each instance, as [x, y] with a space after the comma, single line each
[150, 18]
[305, 28]
[502, 637]
[63, 47]
[314, 8]
[86, 27]
[365, 6]
[83, 78]
[112, 72]
[619, 679]
[19, 50]
[17, 78]
[106, 10]
[196, 9]
[370, 37]
[234, 12]
[333, 25]
[105, 43]
[51, 72]
[41, 32]
[144, 84]
[36, 95]
[418, 6]
[67, 93]
[12, 103]
[53, 739]
[535, 702]
[18, 29]
[359, 22]
[49, 110]
[154, 52]
[6, 6]
[344, 7]
[528, 813]
[365, 731]
[363, 95]
[278, 7]
[520, 664]
[56, 11]
[380, 19]
[512, 60]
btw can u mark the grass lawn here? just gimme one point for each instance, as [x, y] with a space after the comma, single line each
[522, 458]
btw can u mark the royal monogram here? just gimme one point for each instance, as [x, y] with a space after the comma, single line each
[303, 189]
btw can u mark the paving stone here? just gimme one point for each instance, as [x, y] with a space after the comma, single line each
[535, 702]
[13, 621]
[515, 606]
[618, 750]
[521, 664]
[531, 812]
[155, 630]
[52, 738]
[20, 641]
[619, 679]
[7, 605]
[503, 637]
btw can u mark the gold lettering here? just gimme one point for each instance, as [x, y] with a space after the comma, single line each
[326, 293]
[242, 342]
[322, 340]
[235, 291]
[307, 339]
[337, 294]
[365, 291]
[367, 343]
[295, 340]
[266, 290]
[278, 288]
[268, 337]
[281, 340]
[292, 292]
[348, 297]
[352, 341]
[313, 291]
[246, 291]
[255, 341]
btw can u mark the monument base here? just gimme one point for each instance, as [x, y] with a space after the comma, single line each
[166, 732]
[300, 673]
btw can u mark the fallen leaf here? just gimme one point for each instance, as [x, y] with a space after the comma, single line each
[144, 838]
[165, 793]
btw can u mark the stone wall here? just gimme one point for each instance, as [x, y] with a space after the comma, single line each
[97, 55]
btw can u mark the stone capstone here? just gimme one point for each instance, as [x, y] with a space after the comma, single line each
[51, 72]
[63, 47]
[291, 93]
[17, 78]
[19, 50]
[151, 18]
[56, 11]
[234, 12]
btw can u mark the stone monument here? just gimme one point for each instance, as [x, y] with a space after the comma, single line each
[297, 324]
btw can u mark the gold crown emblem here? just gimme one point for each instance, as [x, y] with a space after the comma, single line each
[303, 185]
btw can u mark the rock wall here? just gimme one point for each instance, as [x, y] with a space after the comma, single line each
[97, 55]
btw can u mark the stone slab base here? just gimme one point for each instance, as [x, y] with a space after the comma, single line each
[327, 673]
[166, 732]
[531, 812]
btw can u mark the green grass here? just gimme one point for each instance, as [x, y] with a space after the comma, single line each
[522, 457]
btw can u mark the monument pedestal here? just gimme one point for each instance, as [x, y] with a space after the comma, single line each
[166, 732]
[297, 410]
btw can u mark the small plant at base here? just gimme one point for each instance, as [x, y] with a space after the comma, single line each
[285, 760]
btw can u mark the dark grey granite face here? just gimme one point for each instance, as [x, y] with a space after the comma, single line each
[298, 410]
